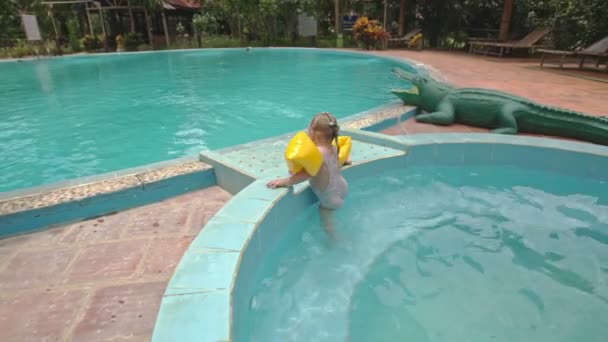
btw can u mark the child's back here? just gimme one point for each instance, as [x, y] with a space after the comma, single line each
[329, 185]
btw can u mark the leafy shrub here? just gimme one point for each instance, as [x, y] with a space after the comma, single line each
[5, 52]
[203, 24]
[144, 47]
[132, 41]
[183, 43]
[91, 43]
[73, 33]
[23, 49]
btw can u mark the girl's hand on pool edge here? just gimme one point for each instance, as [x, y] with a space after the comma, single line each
[278, 183]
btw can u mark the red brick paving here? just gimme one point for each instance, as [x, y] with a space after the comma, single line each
[164, 254]
[39, 316]
[101, 279]
[98, 230]
[125, 312]
[107, 261]
[36, 268]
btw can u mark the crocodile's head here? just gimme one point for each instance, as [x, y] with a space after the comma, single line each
[410, 95]
[424, 92]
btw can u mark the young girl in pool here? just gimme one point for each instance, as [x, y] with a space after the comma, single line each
[328, 184]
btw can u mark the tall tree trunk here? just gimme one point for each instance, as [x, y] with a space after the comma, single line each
[53, 23]
[81, 24]
[103, 28]
[89, 19]
[165, 28]
[239, 26]
[402, 18]
[506, 20]
[275, 30]
[385, 15]
[148, 27]
[337, 21]
[131, 17]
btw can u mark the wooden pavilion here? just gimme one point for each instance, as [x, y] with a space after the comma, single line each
[158, 24]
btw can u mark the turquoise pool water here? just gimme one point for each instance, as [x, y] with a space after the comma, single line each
[78, 116]
[443, 254]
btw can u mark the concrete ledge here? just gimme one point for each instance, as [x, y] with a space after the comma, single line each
[376, 139]
[37, 208]
[573, 158]
[230, 178]
[384, 119]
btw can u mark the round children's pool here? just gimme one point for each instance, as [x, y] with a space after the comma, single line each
[467, 253]
[70, 117]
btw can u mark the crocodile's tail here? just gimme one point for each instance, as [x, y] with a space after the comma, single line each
[588, 128]
[570, 124]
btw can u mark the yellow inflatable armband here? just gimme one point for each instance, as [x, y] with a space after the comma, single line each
[345, 143]
[303, 154]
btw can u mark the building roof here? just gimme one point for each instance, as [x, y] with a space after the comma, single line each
[182, 4]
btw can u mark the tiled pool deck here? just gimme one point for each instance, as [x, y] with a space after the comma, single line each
[103, 279]
[100, 279]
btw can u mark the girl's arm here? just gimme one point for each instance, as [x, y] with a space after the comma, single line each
[286, 182]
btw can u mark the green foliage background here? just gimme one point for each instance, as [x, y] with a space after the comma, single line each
[268, 22]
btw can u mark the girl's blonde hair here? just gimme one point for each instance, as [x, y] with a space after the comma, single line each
[327, 124]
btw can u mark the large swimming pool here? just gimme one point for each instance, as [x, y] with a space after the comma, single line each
[468, 253]
[77, 116]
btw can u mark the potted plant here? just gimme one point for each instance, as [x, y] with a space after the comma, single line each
[370, 34]
[120, 43]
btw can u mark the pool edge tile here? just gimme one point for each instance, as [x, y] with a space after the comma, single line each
[202, 317]
[223, 233]
[204, 270]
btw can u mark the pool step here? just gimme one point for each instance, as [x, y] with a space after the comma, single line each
[237, 167]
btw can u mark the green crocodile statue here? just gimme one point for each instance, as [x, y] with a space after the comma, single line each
[503, 113]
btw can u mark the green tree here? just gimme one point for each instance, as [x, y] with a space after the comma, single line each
[74, 35]
[10, 21]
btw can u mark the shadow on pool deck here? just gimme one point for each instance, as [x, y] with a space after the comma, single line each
[103, 279]
[99, 279]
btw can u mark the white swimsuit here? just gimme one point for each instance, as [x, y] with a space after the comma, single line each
[332, 197]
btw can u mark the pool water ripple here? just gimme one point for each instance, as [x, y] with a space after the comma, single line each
[471, 253]
[77, 116]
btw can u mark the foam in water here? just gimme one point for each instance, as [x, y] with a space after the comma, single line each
[436, 254]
